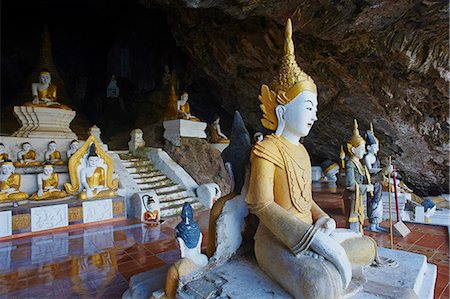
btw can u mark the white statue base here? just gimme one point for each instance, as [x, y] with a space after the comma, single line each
[41, 122]
[177, 128]
[220, 146]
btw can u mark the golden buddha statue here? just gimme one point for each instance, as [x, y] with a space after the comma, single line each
[216, 133]
[91, 170]
[48, 184]
[10, 183]
[171, 109]
[26, 157]
[52, 155]
[183, 108]
[3, 153]
[296, 243]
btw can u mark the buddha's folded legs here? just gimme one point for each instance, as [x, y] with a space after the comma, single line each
[302, 277]
[13, 196]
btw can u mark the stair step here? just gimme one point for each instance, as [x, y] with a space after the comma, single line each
[138, 163]
[167, 189]
[176, 210]
[177, 202]
[143, 175]
[140, 169]
[152, 185]
[173, 195]
[122, 152]
[150, 179]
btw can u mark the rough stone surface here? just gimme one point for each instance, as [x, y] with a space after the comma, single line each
[201, 161]
[377, 61]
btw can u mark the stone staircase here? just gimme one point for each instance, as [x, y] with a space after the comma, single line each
[172, 196]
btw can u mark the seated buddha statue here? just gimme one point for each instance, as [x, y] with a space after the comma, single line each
[10, 183]
[183, 108]
[3, 153]
[44, 93]
[93, 178]
[47, 182]
[26, 157]
[73, 147]
[355, 174]
[189, 238]
[216, 133]
[296, 243]
[52, 155]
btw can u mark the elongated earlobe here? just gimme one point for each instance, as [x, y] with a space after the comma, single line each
[279, 111]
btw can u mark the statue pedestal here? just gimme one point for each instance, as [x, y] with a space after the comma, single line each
[177, 128]
[220, 146]
[42, 122]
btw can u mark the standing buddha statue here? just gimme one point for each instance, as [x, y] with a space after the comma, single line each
[52, 155]
[47, 182]
[355, 173]
[10, 183]
[26, 157]
[296, 243]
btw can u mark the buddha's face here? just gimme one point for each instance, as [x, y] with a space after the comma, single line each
[74, 145]
[48, 170]
[373, 148]
[301, 113]
[359, 151]
[52, 146]
[45, 78]
[26, 147]
[93, 161]
[7, 169]
[184, 97]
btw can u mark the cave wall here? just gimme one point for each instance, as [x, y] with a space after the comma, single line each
[377, 61]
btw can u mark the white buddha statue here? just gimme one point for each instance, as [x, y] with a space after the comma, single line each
[73, 147]
[93, 178]
[183, 108]
[10, 183]
[3, 153]
[47, 182]
[52, 155]
[26, 157]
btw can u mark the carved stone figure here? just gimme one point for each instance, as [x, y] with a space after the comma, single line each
[91, 172]
[355, 174]
[10, 183]
[3, 153]
[26, 157]
[47, 182]
[216, 133]
[52, 155]
[73, 147]
[295, 243]
[189, 238]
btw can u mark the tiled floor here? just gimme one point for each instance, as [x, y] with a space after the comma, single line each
[96, 261]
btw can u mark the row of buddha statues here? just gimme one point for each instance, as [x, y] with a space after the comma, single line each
[27, 156]
[90, 172]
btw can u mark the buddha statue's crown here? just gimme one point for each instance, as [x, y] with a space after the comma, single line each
[356, 139]
[7, 162]
[371, 138]
[44, 71]
[289, 83]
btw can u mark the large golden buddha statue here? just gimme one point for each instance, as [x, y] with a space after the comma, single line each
[10, 183]
[296, 243]
[91, 172]
[48, 184]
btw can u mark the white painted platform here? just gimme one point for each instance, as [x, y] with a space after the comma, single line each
[177, 128]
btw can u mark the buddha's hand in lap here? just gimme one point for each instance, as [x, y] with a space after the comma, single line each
[326, 224]
[89, 192]
[40, 192]
[332, 251]
[313, 255]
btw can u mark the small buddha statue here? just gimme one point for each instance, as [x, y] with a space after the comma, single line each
[296, 243]
[216, 133]
[10, 183]
[52, 155]
[183, 108]
[93, 178]
[47, 182]
[189, 238]
[3, 153]
[378, 174]
[355, 173]
[112, 91]
[151, 214]
[73, 147]
[330, 170]
[44, 93]
[26, 157]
